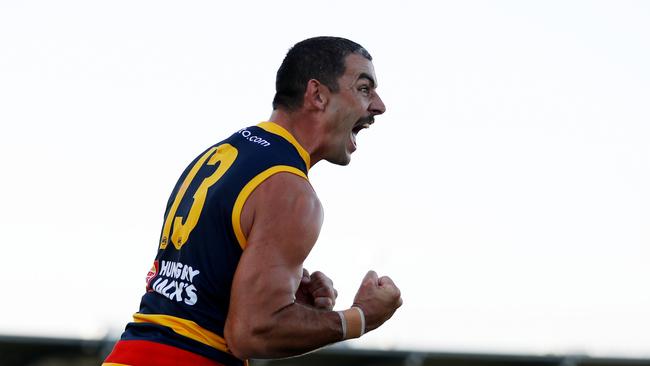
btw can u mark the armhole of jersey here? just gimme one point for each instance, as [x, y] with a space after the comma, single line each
[248, 189]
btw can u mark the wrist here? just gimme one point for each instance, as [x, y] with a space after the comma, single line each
[353, 322]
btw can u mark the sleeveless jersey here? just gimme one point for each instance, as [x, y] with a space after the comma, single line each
[188, 288]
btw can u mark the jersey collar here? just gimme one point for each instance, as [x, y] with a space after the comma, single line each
[281, 131]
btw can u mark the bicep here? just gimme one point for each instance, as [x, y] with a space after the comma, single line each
[285, 217]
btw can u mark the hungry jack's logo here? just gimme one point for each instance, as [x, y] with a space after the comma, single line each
[152, 273]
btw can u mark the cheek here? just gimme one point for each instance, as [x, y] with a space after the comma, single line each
[362, 105]
[358, 107]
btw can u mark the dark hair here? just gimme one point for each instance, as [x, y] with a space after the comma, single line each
[320, 58]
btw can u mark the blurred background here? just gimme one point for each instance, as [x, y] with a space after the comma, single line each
[504, 190]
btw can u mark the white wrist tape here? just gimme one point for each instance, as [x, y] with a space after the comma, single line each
[363, 320]
[344, 325]
[353, 322]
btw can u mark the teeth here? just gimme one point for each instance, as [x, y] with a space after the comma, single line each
[365, 125]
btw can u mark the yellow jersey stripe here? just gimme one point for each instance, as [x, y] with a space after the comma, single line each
[248, 189]
[279, 130]
[185, 328]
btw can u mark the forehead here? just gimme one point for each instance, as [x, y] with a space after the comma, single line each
[358, 67]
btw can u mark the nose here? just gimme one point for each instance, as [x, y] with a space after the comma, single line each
[377, 106]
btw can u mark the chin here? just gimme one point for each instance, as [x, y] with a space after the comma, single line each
[340, 160]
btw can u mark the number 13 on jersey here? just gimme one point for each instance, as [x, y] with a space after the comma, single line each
[225, 155]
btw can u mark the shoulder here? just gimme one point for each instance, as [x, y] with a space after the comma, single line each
[284, 207]
[287, 188]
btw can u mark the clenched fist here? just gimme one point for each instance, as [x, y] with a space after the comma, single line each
[379, 298]
[316, 290]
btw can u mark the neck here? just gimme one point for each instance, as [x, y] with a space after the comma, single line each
[304, 127]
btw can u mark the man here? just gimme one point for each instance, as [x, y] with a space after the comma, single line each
[228, 283]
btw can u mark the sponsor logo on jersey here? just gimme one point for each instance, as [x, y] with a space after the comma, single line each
[152, 273]
[252, 138]
[175, 281]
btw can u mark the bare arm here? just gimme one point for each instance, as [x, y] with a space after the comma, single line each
[264, 320]
[282, 220]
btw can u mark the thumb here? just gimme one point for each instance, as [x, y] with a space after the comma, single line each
[371, 277]
[385, 280]
[305, 276]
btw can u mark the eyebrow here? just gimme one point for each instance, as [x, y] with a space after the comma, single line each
[364, 75]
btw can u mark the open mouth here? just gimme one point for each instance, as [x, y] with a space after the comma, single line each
[359, 127]
[363, 123]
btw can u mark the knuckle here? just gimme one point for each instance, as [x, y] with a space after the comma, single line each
[324, 302]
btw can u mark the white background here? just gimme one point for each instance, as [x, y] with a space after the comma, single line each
[505, 190]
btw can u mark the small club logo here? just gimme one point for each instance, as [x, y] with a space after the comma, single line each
[152, 273]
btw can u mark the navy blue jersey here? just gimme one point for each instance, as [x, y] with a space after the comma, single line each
[188, 287]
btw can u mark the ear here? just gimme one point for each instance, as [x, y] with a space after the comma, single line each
[317, 95]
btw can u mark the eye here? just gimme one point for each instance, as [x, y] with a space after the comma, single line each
[365, 89]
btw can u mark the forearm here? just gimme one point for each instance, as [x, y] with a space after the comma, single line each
[290, 331]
